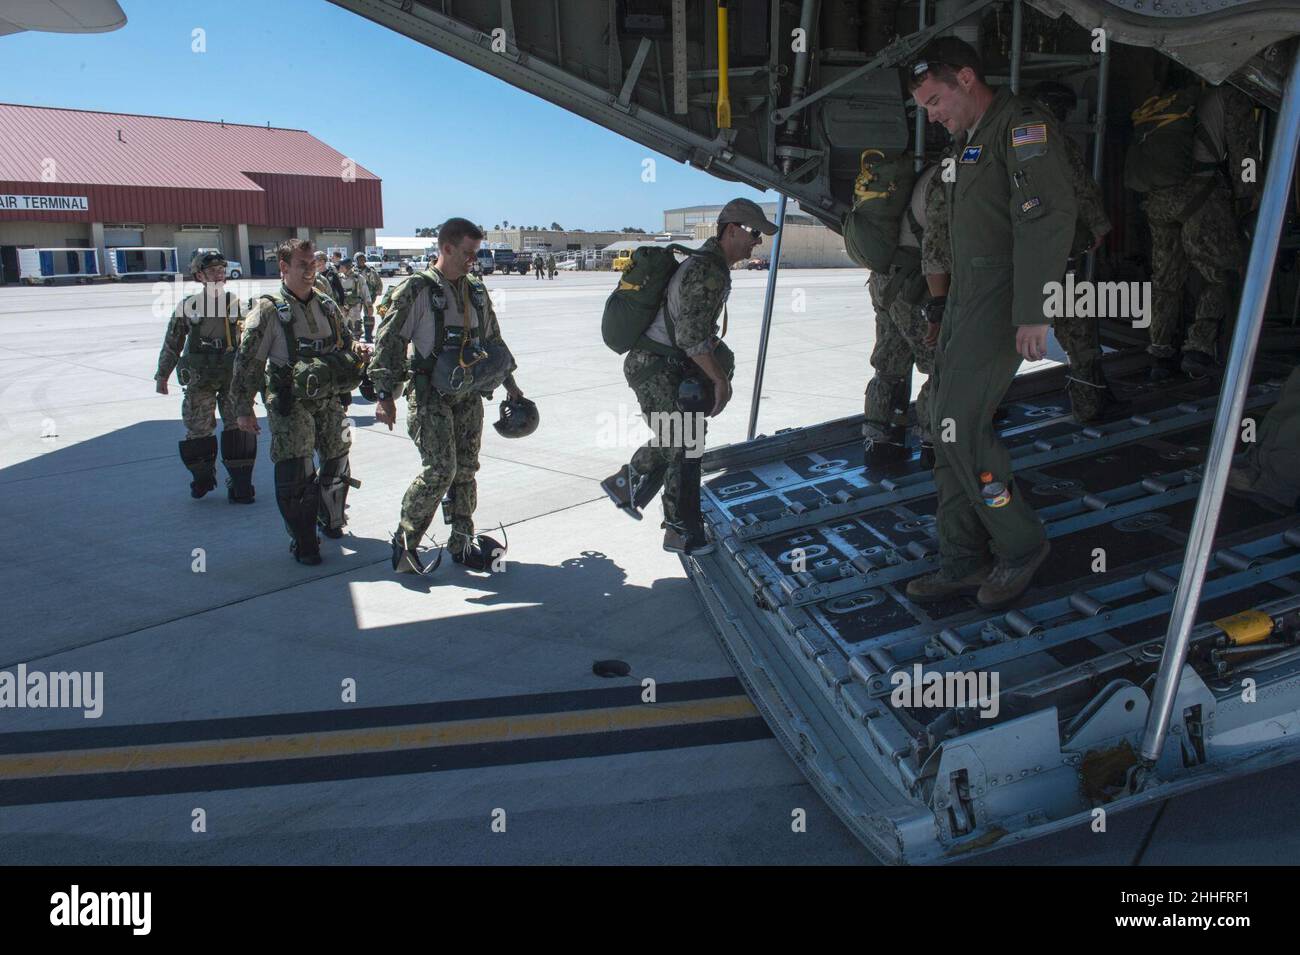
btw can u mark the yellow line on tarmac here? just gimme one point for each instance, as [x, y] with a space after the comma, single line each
[497, 729]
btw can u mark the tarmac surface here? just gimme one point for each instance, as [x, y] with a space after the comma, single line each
[258, 711]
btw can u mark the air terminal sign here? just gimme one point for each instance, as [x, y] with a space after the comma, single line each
[44, 204]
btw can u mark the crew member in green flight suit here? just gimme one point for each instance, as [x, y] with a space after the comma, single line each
[1011, 216]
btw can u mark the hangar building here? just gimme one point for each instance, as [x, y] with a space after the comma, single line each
[78, 179]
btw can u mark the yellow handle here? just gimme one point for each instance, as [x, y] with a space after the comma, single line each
[1247, 627]
[724, 90]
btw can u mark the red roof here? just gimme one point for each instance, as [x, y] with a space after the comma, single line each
[158, 169]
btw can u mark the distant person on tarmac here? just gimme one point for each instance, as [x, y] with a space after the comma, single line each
[550, 266]
[442, 316]
[200, 345]
[538, 265]
[296, 351]
[375, 286]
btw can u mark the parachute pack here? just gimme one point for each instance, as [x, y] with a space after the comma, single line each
[632, 306]
[881, 195]
[1165, 131]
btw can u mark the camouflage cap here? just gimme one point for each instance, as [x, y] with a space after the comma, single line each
[747, 213]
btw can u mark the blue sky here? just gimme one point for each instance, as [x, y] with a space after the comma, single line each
[445, 138]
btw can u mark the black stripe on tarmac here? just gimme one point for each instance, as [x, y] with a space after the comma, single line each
[350, 718]
[369, 765]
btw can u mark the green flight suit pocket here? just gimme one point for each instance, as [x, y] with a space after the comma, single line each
[982, 326]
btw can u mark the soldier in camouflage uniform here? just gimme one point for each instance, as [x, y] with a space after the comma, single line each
[1090, 393]
[298, 353]
[200, 343]
[375, 285]
[901, 340]
[356, 298]
[444, 301]
[550, 266]
[1194, 222]
[682, 342]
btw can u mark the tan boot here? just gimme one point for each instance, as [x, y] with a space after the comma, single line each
[939, 585]
[1008, 582]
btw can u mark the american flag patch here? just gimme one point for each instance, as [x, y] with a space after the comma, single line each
[1028, 135]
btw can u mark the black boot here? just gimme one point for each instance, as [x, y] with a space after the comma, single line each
[406, 556]
[1196, 364]
[1089, 391]
[298, 495]
[926, 459]
[200, 456]
[335, 479]
[631, 490]
[1162, 368]
[889, 448]
[685, 535]
[478, 552]
[239, 454]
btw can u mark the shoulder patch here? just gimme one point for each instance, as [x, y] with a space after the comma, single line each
[1029, 134]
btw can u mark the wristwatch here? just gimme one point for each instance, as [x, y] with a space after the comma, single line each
[932, 311]
[382, 396]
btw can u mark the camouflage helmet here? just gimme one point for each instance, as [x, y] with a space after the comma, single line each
[203, 259]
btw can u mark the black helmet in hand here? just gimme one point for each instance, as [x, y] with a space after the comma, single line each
[695, 394]
[519, 418]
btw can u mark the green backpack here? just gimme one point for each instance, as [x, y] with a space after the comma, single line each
[632, 306]
[1165, 132]
[881, 196]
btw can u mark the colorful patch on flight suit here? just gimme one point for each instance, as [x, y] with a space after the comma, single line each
[1030, 204]
[971, 154]
[1027, 135]
[1029, 141]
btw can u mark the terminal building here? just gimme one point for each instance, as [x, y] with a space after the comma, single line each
[130, 188]
[805, 242]
[553, 240]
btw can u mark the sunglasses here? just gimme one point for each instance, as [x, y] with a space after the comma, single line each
[921, 67]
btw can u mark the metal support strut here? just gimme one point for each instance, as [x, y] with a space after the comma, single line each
[768, 299]
[1236, 379]
[1017, 30]
[1099, 134]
